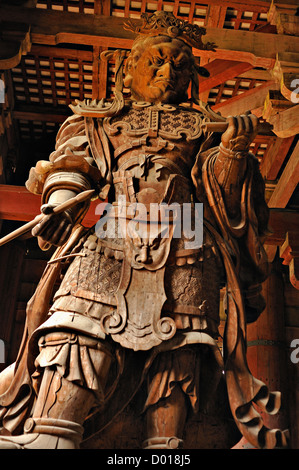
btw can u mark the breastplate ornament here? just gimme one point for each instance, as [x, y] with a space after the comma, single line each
[165, 121]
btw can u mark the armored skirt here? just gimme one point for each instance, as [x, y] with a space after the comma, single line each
[171, 312]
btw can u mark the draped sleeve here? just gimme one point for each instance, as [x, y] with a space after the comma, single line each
[239, 241]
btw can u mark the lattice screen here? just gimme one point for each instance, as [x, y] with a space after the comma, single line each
[231, 88]
[52, 80]
[236, 16]
[36, 130]
[76, 6]
[261, 145]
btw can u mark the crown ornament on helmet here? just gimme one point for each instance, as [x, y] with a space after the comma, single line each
[166, 24]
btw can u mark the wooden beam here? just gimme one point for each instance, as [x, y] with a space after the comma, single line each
[257, 74]
[281, 221]
[216, 16]
[287, 182]
[285, 123]
[53, 27]
[61, 52]
[11, 51]
[102, 7]
[285, 72]
[275, 157]
[16, 203]
[283, 17]
[95, 72]
[39, 113]
[246, 101]
[221, 71]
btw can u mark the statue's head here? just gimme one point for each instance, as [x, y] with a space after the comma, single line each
[161, 63]
[159, 70]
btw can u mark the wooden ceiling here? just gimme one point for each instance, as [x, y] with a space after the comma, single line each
[49, 57]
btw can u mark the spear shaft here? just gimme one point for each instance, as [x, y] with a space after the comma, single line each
[263, 127]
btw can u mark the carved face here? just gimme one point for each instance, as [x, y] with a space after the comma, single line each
[161, 71]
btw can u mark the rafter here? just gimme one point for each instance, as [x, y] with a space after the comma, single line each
[102, 7]
[248, 100]
[216, 16]
[53, 27]
[281, 221]
[287, 182]
[222, 70]
[275, 157]
[285, 123]
[35, 113]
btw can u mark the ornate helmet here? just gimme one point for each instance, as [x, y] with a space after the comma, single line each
[160, 23]
[166, 24]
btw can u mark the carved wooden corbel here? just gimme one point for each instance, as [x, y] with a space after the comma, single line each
[281, 114]
[12, 51]
[289, 251]
[286, 72]
[283, 17]
[15, 39]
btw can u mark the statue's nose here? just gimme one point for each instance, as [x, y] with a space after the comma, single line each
[166, 71]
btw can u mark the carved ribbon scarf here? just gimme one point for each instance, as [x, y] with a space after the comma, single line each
[244, 390]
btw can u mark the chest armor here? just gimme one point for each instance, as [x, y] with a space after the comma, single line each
[146, 131]
[154, 150]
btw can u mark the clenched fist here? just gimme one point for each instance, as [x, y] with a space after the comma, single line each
[240, 133]
[54, 229]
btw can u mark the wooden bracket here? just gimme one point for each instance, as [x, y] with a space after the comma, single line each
[284, 18]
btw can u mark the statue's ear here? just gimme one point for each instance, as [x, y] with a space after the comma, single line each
[128, 80]
[202, 71]
[128, 70]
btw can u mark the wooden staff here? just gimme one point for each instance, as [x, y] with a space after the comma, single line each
[263, 128]
[56, 210]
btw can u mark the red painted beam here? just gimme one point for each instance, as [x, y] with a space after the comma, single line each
[221, 71]
[16, 203]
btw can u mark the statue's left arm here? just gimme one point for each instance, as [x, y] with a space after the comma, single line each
[234, 189]
[231, 163]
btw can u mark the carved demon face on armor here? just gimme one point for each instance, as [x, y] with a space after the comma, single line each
[159, 70]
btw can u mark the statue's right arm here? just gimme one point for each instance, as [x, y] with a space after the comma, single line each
[70, 170]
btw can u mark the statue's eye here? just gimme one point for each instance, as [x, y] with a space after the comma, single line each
[157, 61]
[180, 65]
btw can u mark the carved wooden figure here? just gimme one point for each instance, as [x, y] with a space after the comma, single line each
[139, 299]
